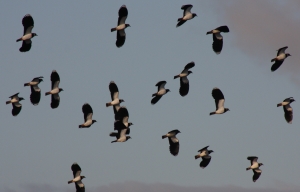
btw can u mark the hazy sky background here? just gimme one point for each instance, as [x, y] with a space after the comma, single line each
[39, 146]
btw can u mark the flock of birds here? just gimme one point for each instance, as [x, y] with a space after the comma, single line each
[121, 124]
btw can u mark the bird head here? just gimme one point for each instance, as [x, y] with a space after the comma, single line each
[34, 34]
[82, 177]
[94, 121]
[60, 89]
[292, 99]
[210, 151]
[127, 25]
[40, 80]
[260, 164]
[21, 98]
[121, 100]
[195, 15]
[226, 109]
[128, 137]
[176, 131]
[189, 72]
[129, 124]
[288, 55]
[168, 90]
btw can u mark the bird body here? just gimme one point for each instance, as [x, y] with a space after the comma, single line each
[218, 38]
[187, 15]
[88, 115]
[204, 154]
[55, 99]
[255, 167]
[121, 35]
[173, 141]
[160, 92]
[35, 95]
[28, 25]
[80, 187]
[281, 56]
[114, 93]
[219, 101]
[288, 110]
[120, 135]
[184, 82]
[15, 101]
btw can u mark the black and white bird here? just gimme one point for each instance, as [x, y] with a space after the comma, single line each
[187, 15]
[184, 82]
[219, 100]
[120, 135]
[35, 95]
[288, 110]
[15, 101]
[114, 93]
[218, 38]
[28, 24]
[88, 116]
[255, 167]
[55, 99]
[122, 120]
[281, 56]
[160, 92]
[121, 35]
[77, 178]
[173, 141]
[204, 154]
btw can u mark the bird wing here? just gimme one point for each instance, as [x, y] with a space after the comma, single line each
[223, 29]
[205, 161]
[155, 99]
[14, 96]
[184, 86]
[288, 113]
[187, 9]
[37, 78]
[256, 174]
[122, 133]
[253, 159]
[276, 65]
[35, 95]
[122, 113]
[26, 45]
[281, 50]
[174, 145]
[76, 169]
[160, 85]
[217, 43]
[55, 99]
[28, 23]
[79, 186]
[189, 65]
[87, 112]
[205, 148]
[119, 125]
[55, 79]
[123, 13]
[219, 97]
[121, 37]
[16, 108]
[114, 91]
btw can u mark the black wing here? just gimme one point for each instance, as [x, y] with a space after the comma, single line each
[121, 37]
[252, 159]
[86, 109]
[155, 99]
[35, 96]
[217, 95]
[174, 147]
[16, 109]
[160, 83]
[281, 49]
[180, 23]
[123, 13]
[256, 175]
[26, 46]
[205, 162]
[189, 65]
[184, 7]
[79, 189]
[184, 86]
[276, 65]
[122, 112]
[223, 28]
[54, 78]
[288, 113]
[14, 95]
[27, 21]
[217, 44]
[204, 148]
[113, 88]
[76, 169]
[55, 99]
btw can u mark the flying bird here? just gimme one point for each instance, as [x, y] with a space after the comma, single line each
[160, 92]
[120, 135]
[28, 25]
[114, 93]
[184, 82]
[255, 167]
[218, 38]
[88, 116]
[187, 15]
[55, 99]
[173, 141]
[121, 35]
[281, 56]
[204, 154]
[122, 120]
[77, 178]
[219, 100]
[35, 95]
[15, 101]
[288, 110]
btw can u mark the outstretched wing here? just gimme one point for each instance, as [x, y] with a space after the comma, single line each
[123, 13]
[281, 50]
[219, 97]
[76, 169]
[55, 79]
[184, 86]
[87, 111]
[28, 23]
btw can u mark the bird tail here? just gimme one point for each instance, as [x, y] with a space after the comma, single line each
[26, 84]
[273, 59]
[8, 102]
[197, 156]
[179, 19]
[164, 136]
[71, 181]
[212, 113]
[176, 76]
[113, 29]
[208, 32]
[248, 168]
[47, 93]
[108, 104]
[279, 104]
[19, 40]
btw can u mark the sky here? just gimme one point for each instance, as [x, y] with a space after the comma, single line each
[39, 146]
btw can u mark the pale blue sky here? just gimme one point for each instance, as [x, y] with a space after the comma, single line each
[39, 146]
